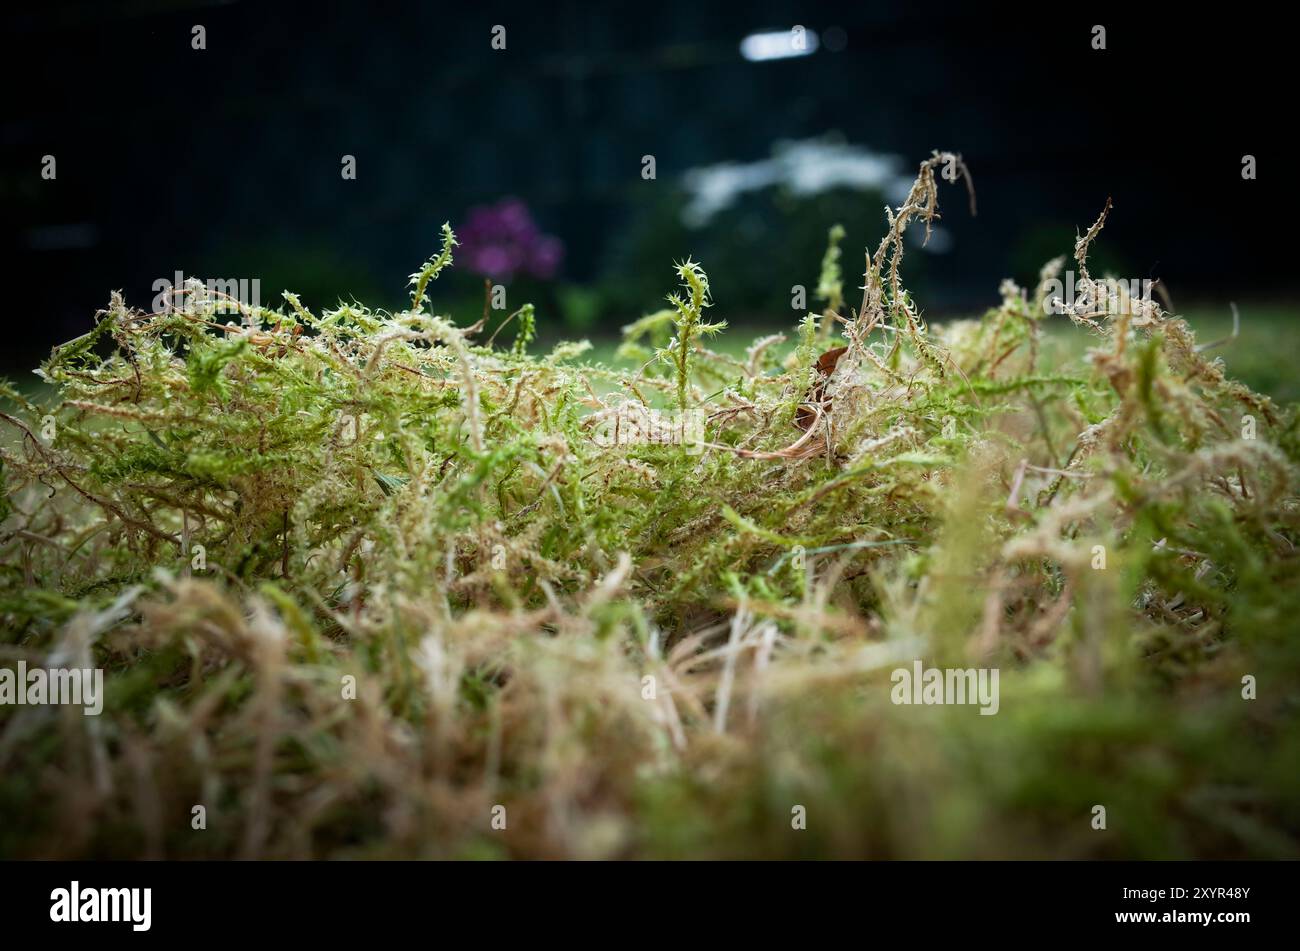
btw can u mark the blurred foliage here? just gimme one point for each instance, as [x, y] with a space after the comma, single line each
[762, 245]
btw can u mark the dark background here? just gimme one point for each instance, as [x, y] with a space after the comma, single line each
[225, 162]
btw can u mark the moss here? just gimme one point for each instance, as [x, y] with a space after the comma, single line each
[359, 577]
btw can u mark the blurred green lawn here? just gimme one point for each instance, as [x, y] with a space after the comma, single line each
[1263, 356]
[1265, 352]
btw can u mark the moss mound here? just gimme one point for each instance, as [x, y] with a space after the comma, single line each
[371, 585]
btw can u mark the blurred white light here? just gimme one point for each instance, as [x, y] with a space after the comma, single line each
[780, 45]
[804, 167]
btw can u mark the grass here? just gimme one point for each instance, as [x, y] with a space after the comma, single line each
[365, 585]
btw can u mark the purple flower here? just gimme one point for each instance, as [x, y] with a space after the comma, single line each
[502, 240]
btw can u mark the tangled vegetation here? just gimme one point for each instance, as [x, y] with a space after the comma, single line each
[359, 579]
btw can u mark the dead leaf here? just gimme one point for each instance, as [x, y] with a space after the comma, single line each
[826, 364]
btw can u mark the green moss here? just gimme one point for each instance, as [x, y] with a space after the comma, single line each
[357, 578]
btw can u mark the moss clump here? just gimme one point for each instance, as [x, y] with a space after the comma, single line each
[357, 579]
